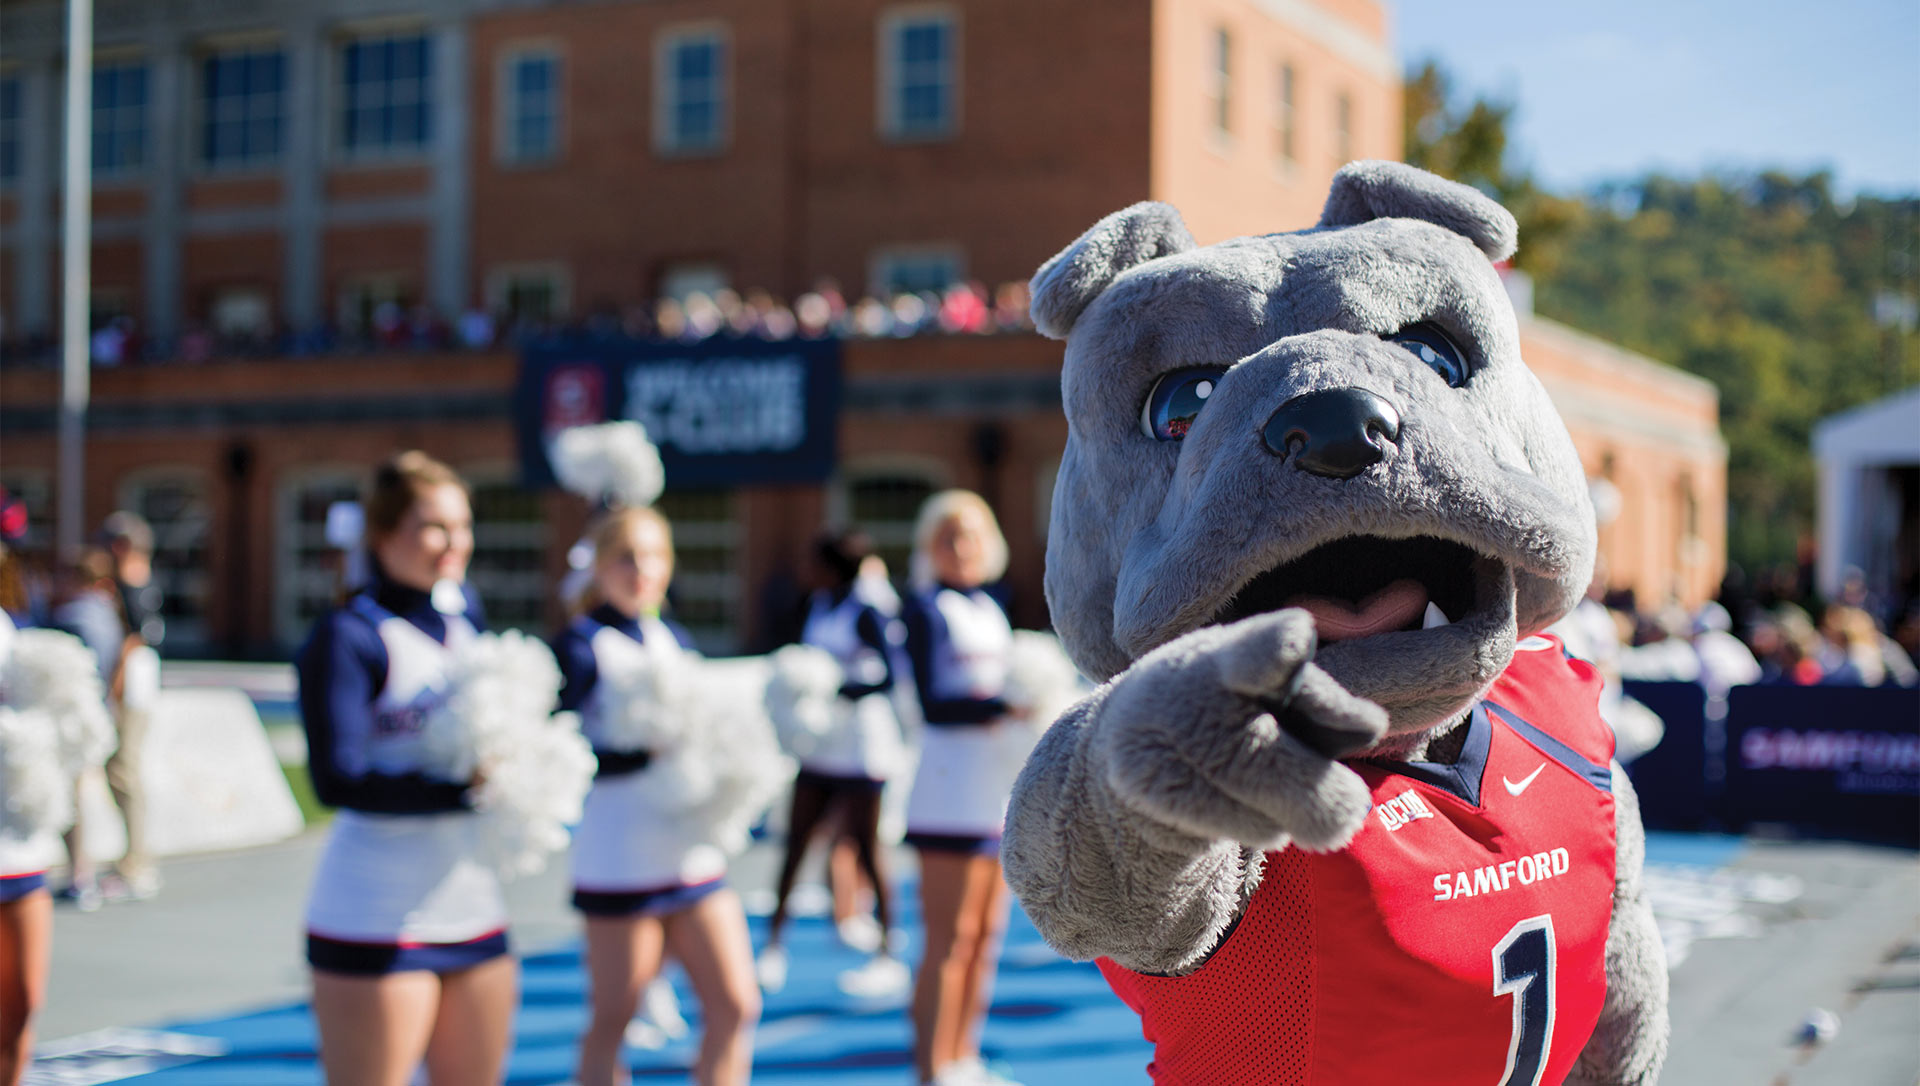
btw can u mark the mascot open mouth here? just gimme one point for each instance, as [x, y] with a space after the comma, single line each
[1360, 586]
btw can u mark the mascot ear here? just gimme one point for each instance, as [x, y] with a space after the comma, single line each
[1065, 285]
[1368, 190]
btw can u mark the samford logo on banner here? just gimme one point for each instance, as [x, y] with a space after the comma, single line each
[1827, 759]
[723, 412]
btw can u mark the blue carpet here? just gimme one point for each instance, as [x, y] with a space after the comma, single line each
[1052, 1022]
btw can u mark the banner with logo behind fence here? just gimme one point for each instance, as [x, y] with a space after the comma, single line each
[1825, 759]
[723, 412]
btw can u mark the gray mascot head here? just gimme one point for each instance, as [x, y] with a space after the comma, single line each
[1336, 419]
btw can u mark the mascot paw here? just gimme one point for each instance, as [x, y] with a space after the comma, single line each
[1232, 731]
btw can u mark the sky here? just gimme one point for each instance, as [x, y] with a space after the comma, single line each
[1610, 90]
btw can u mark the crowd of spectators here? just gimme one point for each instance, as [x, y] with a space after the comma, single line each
[1775, 633]
[968, 308]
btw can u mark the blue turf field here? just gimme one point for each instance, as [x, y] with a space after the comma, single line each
[1053, 1022]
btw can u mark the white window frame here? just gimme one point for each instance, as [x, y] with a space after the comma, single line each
[1345, 110]
[887, 63]
[501, 277]
[17, 127]
[226, 46]
[141, 115]
[189, 631]
[340, 102]
[1286, 117]
[506, 113]
[289, 626]
[666, 90]
[886, 536]
[882, 261]
[1219, 75]
[531, 536]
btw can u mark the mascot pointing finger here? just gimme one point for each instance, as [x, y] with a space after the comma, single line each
[1339, 813]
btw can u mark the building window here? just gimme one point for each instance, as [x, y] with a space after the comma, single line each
[174, 504]
[1343, 128]
[1220, 82]
[884, 502]
[508, 568]
[919, 74]
[241, 312]
[684, 279]
[9, 129]
[1284, 134]
[707, 592]
[242, 107]
[529, 293]
[119, 118]
[530, 107]
[690, 92]
[915, 269]
[368, 303]
[384, 94]
[312, 572]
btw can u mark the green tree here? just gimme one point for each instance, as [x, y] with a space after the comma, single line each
[1789, 299]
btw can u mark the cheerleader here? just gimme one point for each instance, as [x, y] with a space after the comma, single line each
[644, 888]
[959, 642]
[26, 922]
[841, 779]
[406, 926]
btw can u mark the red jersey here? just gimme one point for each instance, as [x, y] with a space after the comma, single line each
[1460, 938]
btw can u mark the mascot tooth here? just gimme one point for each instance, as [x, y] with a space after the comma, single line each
[1336, 814]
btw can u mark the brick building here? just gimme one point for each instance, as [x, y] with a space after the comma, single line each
[264, 168]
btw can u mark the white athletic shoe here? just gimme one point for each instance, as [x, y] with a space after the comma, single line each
[771, 968]
[883, 977]
[972, 1072]
[860, 932]
[660, 1008]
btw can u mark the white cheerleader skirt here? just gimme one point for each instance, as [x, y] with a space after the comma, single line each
[633, 857]
[404, 892]
[865, 743]
[960, 790]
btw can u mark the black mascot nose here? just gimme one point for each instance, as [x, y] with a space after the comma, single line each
[1335, 432]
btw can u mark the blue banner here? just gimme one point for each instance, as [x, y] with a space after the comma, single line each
[1826, 759]
[726, 412]
[1672, 780]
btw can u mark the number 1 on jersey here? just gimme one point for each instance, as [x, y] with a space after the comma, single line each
[1523, 968]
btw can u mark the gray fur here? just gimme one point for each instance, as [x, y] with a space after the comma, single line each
[1630, 1041]
[1394, 190]
[1138, 826]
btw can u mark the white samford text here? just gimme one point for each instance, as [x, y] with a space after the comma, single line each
[1494, 878]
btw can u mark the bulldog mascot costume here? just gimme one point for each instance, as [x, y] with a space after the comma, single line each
[1339, 813]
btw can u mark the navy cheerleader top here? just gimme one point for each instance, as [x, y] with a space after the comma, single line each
[580, 674]
[342, 670]
[869, 629]
[944, 624]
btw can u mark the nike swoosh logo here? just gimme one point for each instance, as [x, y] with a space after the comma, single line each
[1515, 789]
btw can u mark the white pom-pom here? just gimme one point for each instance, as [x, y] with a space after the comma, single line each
[638, 702]
[803, 697]
[1041, 680]
[36, 791]
[717, 764]
[613, 460]
[497, 722]
[54, 673]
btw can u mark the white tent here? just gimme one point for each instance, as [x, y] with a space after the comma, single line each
[1868, 459]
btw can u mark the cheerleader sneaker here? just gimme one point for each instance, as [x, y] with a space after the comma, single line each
[883, 977]
[860, 932]
[771, 968]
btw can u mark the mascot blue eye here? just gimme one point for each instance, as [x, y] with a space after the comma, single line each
[1176, 401]
[1442, 355]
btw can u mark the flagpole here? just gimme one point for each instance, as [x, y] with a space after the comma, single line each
[76, 257]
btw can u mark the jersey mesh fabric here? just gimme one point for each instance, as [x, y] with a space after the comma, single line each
[1272, 1023]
